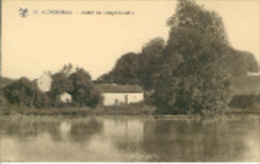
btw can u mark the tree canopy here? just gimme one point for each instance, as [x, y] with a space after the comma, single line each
[242, 62]
[60, 84]
[85, 92]
[124, 71]
[150, 62]
[190, 15]
[24, 92]
[194, 76]
[137, 68]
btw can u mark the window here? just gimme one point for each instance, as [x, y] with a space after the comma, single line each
[126, 99]
[116, 101]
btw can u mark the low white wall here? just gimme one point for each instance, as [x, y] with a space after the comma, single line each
[111, 98]
[65, 97]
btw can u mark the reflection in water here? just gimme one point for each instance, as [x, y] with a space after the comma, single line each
[65, 129]
[121, 138]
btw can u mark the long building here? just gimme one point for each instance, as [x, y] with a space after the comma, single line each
[115, 94]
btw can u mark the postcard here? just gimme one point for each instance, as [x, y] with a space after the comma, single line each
[130, 81]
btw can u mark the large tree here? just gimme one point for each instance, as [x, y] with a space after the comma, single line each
[125, 70]
[194, 76]
[85, 92]
[150, 63]
[60, 84]
[138, 68]
[190, 15]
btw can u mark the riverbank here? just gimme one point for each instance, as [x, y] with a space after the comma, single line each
[243, 111]
[132, 109]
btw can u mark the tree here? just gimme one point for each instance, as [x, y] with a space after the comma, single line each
[67, 69]
[194, 76]
[85, 92]
[60, 84]
[242, 62]
[150, 63]
[25, 92]
[125, 70]
[190, 15]
[107, 77]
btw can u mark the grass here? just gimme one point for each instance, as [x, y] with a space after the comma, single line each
[131, 109]
[254, 110]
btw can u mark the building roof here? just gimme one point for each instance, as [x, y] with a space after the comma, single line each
[115, 88]
[45, 74]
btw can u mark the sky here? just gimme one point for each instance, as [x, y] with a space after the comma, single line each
[45, 42]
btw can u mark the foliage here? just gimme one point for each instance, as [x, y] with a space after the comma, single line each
[141, 69]
[194, 76]
[190, 15]
[67, 69]
[25, 92]
[245, 101]
[242, 62]
[85, 92]
[150, 63]
[5, 81]
[60, 84]
[193, 71]
[246, 85]
[125, 70]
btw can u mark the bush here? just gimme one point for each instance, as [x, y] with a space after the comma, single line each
[24, 92]
[85, 92]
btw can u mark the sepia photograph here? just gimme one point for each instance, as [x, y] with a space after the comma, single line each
[130, 81]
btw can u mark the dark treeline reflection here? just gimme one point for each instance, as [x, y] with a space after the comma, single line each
[123, 138]
[75, 130]
[200, 140]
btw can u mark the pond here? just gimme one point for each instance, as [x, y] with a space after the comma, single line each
[130, 138]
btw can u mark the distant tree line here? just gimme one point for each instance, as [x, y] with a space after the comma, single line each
[78, 84]
[193, 70]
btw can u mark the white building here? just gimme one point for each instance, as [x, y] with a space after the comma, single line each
[253, 73]
[65, 97]
[114, 94]
[44, 84]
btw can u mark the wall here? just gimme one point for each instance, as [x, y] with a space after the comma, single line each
[110, 98]
[65, 97]
[44, 83]
[244, 101]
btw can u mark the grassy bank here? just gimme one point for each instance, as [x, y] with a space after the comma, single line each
[132, 109]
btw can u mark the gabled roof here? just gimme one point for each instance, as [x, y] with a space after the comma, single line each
[47, 74]
[115, 88]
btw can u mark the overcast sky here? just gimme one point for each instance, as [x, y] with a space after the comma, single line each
[41, 42]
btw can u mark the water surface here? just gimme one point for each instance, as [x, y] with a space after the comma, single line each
[129, 138]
